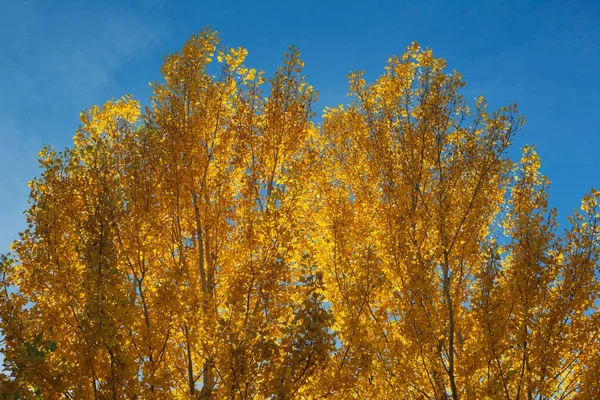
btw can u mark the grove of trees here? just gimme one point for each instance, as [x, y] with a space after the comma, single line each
[221, 244]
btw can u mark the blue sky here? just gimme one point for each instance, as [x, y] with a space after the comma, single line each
[59, 58]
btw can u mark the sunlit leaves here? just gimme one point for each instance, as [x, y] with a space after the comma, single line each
[221, 244]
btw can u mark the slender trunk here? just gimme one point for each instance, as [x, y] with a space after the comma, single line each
[200, 246]
[523, 362]
[450, 328]
[207, 373]
[190, 366]
[207, 376]
[94, 381]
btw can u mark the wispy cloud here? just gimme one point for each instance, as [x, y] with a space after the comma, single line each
[16, 160]
[55, 62]
[74, 52]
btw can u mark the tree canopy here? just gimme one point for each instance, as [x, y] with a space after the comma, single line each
[220, 243]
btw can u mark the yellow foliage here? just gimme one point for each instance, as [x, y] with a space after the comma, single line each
[221, 244]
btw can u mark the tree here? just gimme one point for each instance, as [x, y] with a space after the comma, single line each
[221, 244]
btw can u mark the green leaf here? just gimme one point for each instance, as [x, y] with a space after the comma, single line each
[38, 338]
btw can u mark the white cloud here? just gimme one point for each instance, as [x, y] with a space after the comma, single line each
[55, 62]
[71, 53]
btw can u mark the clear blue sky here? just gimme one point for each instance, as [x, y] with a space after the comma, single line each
[58, 58]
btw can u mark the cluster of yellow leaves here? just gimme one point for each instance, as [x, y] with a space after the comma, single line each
[220, 244]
